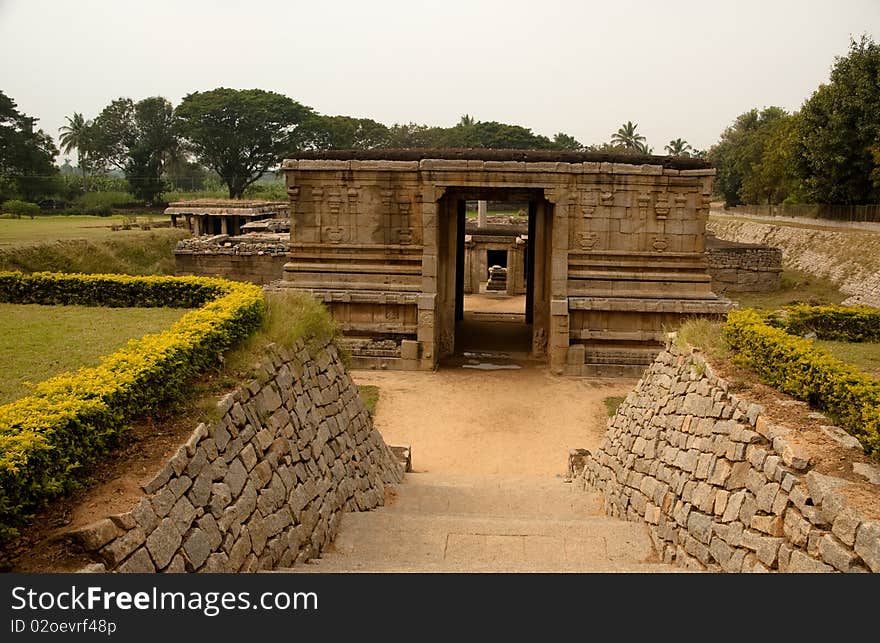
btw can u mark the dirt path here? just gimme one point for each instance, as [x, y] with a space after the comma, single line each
[508, 422]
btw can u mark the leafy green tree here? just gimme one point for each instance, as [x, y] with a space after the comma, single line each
[240, 134]
[137, 138]
[627, 137]
[562, 141]
[319, 132]
[738, 155]
[77, 135]
[494, 135]
[642, 148]
[838, 129]
[27, 167]
[414, 136]
[679, 147]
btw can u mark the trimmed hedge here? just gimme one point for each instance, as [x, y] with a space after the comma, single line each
[74, 418]
[840, 323]
[797, 367]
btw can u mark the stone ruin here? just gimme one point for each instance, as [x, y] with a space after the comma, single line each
[615, 249]
[609, 250]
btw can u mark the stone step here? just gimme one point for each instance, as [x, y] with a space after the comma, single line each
[389, 540]
[517, 497]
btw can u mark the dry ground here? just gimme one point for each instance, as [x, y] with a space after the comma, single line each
[508, 422]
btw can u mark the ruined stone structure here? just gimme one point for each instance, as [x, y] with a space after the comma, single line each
[615, 247]
[487, 242]
[222, 216]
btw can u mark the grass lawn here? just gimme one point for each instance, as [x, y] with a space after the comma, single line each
[370, 396]
[797, 287]
[863, 355]
[41, 341]
[42, 229]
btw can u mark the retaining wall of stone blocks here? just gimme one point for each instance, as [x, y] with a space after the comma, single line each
[264, 485]
[725, 489]
[745, 268]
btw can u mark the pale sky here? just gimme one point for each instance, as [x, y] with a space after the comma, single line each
[678, 68]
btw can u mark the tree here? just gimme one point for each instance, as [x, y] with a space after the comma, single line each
[27, 167]
[839, 126]
[678, 147]
[738, 156]
[77, 135]
[319, 132]
[627, 137]
[562, 141]
[239, 134]
[493, 135]
[137, 138]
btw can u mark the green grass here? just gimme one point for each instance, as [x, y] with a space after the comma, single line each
[611, 403]
[19, 232]
[41, 341]
[87, 244]
[370, 396]
[797, 287]
[704, 334]
[863, 355]
[472, 214]
[290, 316]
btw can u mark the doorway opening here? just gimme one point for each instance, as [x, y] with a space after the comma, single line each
[499, 286]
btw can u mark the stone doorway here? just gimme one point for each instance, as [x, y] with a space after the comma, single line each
[478, 311]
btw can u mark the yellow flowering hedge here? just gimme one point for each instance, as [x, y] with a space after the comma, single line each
[74, 418]
[796, 366]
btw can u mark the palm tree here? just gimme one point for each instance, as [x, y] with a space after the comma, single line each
[642, 148]
[466, 120]
[679, 147]
[627, 137]
[76, 136]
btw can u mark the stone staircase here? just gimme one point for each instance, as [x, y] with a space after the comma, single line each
[457, 523]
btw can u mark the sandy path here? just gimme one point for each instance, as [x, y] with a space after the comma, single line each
[512, 422]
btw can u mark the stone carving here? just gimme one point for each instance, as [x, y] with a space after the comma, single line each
[589, 201]
[659, 243]
[644, 202]
[661, 208]
[587, 240]
[680, 205]
[334, 234]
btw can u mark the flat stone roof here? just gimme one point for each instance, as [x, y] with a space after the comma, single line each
[221, 207]
[483, 154]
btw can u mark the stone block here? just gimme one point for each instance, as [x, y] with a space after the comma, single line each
[801, 563]
[138, 563]
[163, 542]
[197, 547]
[867, 544]
[94, 536]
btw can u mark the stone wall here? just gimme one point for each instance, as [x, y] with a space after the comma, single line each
[725, 489]
[257, 258]
[257, 268]
[262, 486]
[743, 267]
[849, 258]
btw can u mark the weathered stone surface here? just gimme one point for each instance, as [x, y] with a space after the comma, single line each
[94, 536]
[163, 542]
[727, 502]
[197, 547]
[800, 563]
[138, 563]
[114, 552]
[867, 544]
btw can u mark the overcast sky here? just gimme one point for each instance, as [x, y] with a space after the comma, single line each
[678, 68]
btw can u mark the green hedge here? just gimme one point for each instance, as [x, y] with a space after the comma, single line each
[74, 418]
[839, 323]
[797, 367]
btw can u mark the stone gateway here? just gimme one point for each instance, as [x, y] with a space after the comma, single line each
[615, 250]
